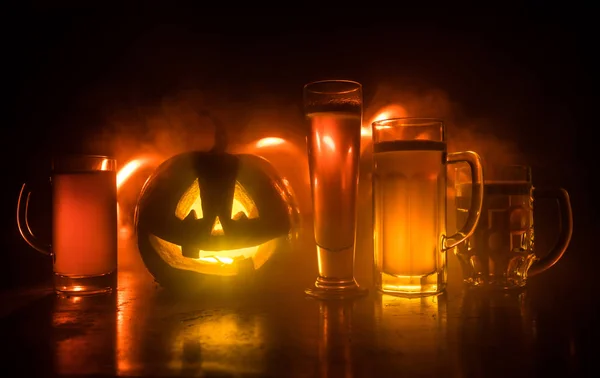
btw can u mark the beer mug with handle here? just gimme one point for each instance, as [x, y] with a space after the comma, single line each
[84, 224]
[409, 204]
[500, 254]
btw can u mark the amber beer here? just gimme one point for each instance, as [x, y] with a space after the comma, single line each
[334, 150]
[85, 205]
[500, 251]
[409, 194]
[333, 110]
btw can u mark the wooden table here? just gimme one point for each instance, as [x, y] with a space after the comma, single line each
[144, 330]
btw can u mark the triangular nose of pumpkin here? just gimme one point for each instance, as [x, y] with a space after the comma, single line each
[217, 228]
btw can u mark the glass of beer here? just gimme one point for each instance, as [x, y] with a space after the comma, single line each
[500, 253]
[333, 110]
[84, 229]
[409, 205]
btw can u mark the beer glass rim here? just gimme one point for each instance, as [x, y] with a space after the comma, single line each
[523, 166]
[493, 169]
[355, 86]
[82, 156]
[75, 162]
[412, 122]
[518, 172]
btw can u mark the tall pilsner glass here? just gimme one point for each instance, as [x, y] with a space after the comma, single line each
[333, 110]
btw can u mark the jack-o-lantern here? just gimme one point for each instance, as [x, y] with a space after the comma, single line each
[204, 214]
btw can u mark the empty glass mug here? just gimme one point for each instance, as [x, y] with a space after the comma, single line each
[84, 224]
[333, 111]
[500, 253]
[409, 204]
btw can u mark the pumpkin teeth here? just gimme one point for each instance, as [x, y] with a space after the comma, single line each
[191, 252]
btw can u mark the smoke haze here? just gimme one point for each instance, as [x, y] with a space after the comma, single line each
[462, 132]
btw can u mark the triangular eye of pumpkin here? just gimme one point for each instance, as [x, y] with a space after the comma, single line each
[191, 200]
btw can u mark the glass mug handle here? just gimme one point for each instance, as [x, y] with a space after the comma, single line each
[565, 224]
[474, 161]
[23, 222]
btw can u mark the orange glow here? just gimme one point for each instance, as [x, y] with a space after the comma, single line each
[288, 157]
[329, 142]
[128, 170]
[217, 228]
[200, 344]
[318, 139]
[123, 176]
[104, 166]
[133, 166]
[389, 111]
[269, 142]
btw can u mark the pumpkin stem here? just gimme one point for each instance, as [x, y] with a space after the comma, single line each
[221, 140]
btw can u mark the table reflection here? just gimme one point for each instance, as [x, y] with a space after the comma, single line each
[335, 337]
[166, 333]
[219, 341]
[412, 333]
[132, 318]
[85, 334]
[146, 330]
[169, 335]
[494, 324]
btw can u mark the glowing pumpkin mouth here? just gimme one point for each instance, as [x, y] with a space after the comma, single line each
[227, 261]
[242, 206]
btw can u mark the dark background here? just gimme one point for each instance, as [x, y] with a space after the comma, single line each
[523, 74]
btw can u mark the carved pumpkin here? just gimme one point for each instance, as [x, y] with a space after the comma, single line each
[206, 214]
